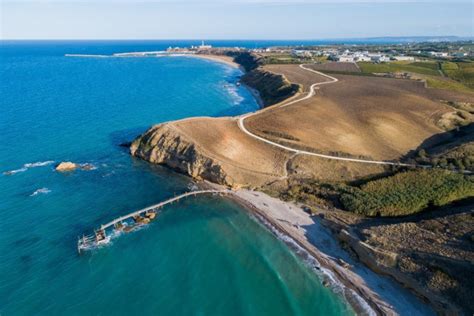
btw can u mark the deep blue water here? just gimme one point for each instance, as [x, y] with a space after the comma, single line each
[202, 256]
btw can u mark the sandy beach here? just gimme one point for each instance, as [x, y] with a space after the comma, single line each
[218, 58]
[366, 291]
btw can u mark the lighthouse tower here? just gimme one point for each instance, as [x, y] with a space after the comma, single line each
[203, 46]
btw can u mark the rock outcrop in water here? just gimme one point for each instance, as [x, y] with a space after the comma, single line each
[162, 144]
[66, 166]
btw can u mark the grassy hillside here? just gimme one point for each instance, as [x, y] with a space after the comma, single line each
[442, 83]
[459, 76]
[424, 68]
[462, 72]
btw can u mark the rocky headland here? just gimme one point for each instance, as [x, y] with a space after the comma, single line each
[215, 149]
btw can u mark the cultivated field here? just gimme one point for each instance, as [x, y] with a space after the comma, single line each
[454, 76]
[425, 68]
[462, 72]
[337, 67]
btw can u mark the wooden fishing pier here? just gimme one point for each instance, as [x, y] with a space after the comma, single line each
[100, 237]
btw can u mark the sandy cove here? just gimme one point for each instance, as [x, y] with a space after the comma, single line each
[366, 291]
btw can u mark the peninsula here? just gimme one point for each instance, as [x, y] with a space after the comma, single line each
[379, 152]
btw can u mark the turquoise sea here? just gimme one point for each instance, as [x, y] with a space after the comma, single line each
[202, 256]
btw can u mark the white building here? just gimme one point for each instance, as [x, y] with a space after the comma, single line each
[301, 53]
[459, 54]
[202, 46]
[345, 59]
[439, 54]
[404, 58]
[363, 58]
[380, 58]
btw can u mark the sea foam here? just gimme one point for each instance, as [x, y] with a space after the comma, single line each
[41, 191]
[38, 164]
[323, 273]
[29, 165]
[232, 90]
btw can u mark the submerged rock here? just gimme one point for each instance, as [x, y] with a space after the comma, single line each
[88, 167]
[125, 144]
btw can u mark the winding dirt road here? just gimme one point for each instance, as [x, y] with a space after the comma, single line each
[310, 94]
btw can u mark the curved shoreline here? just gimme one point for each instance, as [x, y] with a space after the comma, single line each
[366, 288]
[229, 61]
[366, 291]
[360, 287]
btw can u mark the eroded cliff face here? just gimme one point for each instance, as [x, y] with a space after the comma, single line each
[163, 144]
[273, 88]
[436, 270]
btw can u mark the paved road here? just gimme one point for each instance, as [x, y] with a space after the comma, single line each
[310, 94]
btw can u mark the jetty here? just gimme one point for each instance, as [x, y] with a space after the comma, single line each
[140, 217]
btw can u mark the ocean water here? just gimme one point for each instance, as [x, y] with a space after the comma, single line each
[202, 256]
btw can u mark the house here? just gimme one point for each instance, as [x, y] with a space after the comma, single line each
[439, 54]
[380, 58]
[363, 58]
[345, 59]
[459, 54]
[301, 53]
[404, 58]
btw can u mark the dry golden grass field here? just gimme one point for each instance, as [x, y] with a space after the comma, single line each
[296, 75]
[358, 116]
[245, 158]
[380, 118]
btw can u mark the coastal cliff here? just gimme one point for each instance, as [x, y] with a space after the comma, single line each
[272, 88]
[212, 149]
[417, 252]
[215, 149]
[167, 144]
[162, 144]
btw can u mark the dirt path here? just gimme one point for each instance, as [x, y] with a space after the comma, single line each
[310, 94]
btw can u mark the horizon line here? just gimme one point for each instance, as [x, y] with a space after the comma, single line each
[240, 39]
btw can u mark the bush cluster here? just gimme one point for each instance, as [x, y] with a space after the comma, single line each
[407, 193]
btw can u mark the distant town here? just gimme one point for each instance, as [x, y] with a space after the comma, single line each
[348, 53]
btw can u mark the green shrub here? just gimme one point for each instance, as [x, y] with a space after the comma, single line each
[407, 193]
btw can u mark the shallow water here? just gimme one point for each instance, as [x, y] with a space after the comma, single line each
[202, 256]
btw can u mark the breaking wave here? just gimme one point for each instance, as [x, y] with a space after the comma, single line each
[232, 90]
[38, 164]
[41, 191]
[29, 165]
[326, 275]
[10, 172]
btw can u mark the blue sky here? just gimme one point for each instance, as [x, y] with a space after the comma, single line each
[237, 19]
